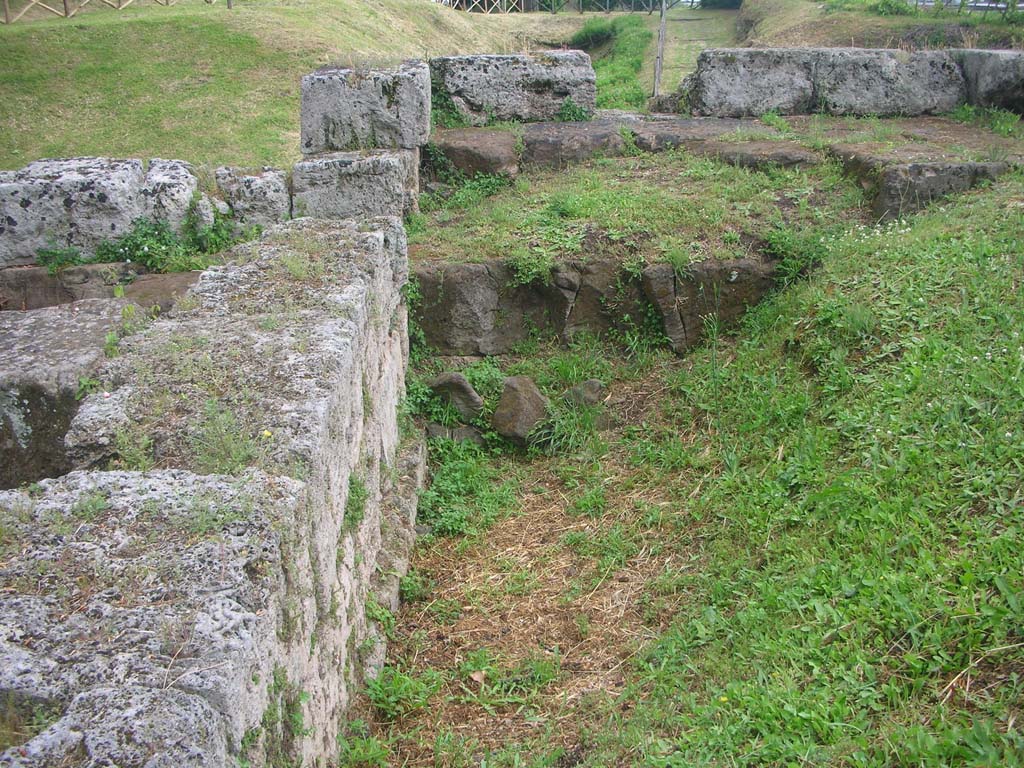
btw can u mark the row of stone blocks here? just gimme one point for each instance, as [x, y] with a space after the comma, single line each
[361, 132]
[850, 81]
[177, 617]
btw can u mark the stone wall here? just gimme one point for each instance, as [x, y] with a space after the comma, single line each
[195, 592]
[81, 202]
[851, 81]
[524, 87]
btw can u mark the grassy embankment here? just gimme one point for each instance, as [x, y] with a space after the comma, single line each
[872, 24]
[802, 544]
[203, 84]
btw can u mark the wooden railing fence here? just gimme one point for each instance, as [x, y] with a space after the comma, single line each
[64, 8]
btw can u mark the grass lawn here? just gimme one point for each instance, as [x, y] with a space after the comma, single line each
[203, 84]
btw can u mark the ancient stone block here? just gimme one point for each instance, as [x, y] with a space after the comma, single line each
[479, 150]
[356, 184]
[348, 109]
[883, 82]
[522, 87]
[224, 587]
[994, 78]
[556, 145]
[520, 409]
[258, 197]
[45, 355]
[725, 289]
[82, 201]
[168, 190]
[735, 82]
[61, 203]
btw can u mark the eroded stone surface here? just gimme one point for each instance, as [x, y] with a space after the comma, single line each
[846, 81]
[344, 185]
[725, 289]
[524, 87]
[520, 409]
[735, 82]
[993, 78]
[557, 145]
[80, 202]
[258, 197]
[480, 150]
[45, 354]
[205, 599]
[348, 109]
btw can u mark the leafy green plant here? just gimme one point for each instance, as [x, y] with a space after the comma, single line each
[384, 618]
[467, 493]
[396, 694]
[414, 587]
[56, 259]
[358, 749]
[571, 112]
[355, 504]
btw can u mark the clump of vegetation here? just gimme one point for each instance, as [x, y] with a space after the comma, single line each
[355, 505]
[1000, 121]
[221, 445]
[395, 693]
[467, 492]
[618, 47]
[155, 246]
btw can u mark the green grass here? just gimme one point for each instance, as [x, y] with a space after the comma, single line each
[618, 47]
[671, 207]
[774, 23]
[209, 86]
[825, 512]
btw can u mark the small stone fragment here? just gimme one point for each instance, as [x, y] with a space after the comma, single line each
[589, 392]
[456, 389]
[520, 409]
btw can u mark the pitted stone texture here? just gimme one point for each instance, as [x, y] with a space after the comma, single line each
[345, 185]
[162, 639]
[249, 589]
[524, 87]
[883, 82]
[168, 191]
[80, 202]
[736, 82]
[347, 109]
[994, 78]
[257, 197]
[44, 355]
[61, 203]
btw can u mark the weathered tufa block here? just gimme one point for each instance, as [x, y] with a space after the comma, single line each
[347, 109]
[185, 609]
[844, 81]
[736, 82]
[82, 201]
[59, 203]
[344, 185]
[44, 355]
[994, 78]
[524, 87]
[882, 82]
[257, 197]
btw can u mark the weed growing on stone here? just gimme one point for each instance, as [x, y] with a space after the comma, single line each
[220, 444]
[355, 504]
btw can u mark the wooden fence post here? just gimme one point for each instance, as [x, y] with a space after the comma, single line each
[660, 58]
[7, 11]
